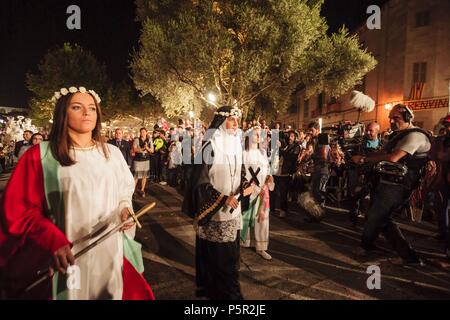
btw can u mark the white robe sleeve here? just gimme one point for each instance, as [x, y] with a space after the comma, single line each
[126, 185]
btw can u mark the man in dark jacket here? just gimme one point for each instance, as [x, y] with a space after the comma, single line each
[26, 141]
[123, 145]
[289, 155]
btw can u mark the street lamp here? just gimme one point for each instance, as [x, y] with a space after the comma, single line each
[212, 97]
[192, 117]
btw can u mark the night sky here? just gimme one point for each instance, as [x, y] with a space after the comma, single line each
[29, 28]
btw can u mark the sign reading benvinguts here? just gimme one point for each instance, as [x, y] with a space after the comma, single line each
[427, 104]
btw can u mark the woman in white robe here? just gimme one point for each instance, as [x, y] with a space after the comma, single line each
[60, 192]
[256, 217]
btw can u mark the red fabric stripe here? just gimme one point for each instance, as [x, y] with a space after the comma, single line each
[23, 207]
[27, 237]
[135, 287]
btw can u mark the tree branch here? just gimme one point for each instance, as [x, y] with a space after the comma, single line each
[257, 94]
[185, 79]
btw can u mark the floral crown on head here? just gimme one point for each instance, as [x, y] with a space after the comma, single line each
[234, 112]
[65, 91]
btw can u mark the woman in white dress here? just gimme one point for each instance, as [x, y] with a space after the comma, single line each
[61, 191]
[256, 217]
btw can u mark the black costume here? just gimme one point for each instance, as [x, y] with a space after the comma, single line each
[217, 173]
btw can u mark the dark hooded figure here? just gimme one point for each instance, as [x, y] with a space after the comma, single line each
[212, 199]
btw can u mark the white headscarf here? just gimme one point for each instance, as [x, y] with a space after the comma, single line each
[225, 172]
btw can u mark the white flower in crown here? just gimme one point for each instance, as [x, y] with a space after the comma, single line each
[96, 96]
[233, 113]
[64, 92]
[236, 112]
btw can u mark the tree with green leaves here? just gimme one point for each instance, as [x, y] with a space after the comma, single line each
[64, 67]
[122, 102]
[243, 51]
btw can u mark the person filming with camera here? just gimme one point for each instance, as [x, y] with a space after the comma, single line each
[408, 147]
[359, 181]
[320, 174]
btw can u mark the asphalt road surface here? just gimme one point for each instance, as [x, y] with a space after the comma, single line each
[310, 261]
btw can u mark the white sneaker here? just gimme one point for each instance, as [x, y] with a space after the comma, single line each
[264, 254]
[163, 183]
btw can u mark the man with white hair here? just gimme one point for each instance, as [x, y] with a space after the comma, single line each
[372, 131]
[358, 188]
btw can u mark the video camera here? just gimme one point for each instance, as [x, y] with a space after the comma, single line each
[348, 135]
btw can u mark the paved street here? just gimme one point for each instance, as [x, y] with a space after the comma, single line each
[310, 261]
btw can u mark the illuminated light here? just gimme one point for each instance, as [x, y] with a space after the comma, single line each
[212, 97]
[388, 106]
[191, 114]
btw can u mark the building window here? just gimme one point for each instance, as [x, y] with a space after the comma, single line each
[292, 108]
[420, 72]
[319, 103]
[422, 19]
[306, 109]
[362, 86]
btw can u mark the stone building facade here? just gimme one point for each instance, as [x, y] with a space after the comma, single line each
[413, 53]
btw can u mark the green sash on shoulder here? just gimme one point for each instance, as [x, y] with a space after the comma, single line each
[55, 204]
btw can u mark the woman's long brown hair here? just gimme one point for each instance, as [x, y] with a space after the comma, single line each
[60, 142]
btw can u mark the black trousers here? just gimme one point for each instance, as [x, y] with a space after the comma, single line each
[444, 212]
[217, 269]
[275, 195]
[3, 164]
[186, 173]
[172, 176]
[286, 187]
[387, 198]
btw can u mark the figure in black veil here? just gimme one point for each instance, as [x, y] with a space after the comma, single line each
[212, 199]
